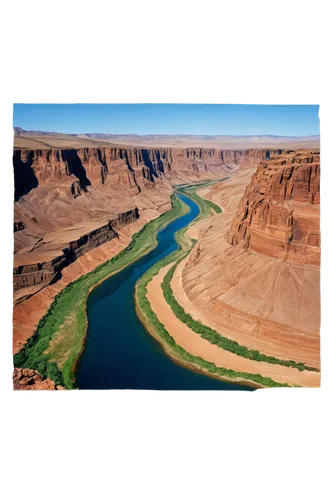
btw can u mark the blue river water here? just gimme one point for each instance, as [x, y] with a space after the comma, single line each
[119, 352]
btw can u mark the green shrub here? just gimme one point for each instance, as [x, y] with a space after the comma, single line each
[150, 317]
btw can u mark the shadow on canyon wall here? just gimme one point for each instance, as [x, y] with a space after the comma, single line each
[148, 163]
[24, 175]
[25, 179]
[159, 162]
[75, 167]
[123, 155]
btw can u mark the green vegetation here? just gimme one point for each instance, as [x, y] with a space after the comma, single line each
[149, 317]
[214, 337]
[206, 206]
[59, 337]
[214, 207]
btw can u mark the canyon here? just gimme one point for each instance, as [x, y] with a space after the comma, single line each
[76, 209]
[254, 273]
[54, 224]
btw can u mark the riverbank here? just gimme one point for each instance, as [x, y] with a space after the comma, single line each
[153, 331]
[120, 353]
[212, 335]
[161, 314]
[157, 329]
[207, 207]
[59, 338]
[224, 362]
[32, 303]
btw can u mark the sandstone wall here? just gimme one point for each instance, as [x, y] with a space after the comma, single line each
[125, 168]
[279, 213]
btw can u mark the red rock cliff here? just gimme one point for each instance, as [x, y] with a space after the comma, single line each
[125, 168]
[279, 214]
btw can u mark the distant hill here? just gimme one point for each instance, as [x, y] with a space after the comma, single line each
[31, 139]
[154, 137]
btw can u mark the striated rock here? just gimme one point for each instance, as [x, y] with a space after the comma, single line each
[279, 214]
[127, 168]
[31, 274]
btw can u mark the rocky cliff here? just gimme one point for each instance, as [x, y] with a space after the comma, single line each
[279, 212]
[48, 272]
[126, 168]
[254, 275]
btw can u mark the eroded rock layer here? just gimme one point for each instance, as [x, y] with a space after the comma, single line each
[26, 275]
[127, 168]
[279, 214]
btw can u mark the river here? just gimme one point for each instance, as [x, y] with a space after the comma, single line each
[119, 352]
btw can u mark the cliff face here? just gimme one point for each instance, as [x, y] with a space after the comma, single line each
[49, 271]
[279, 212]
[125, 168]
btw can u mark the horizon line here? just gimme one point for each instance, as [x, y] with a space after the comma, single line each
[168, 135]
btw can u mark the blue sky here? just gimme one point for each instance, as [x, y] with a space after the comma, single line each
[205, 119]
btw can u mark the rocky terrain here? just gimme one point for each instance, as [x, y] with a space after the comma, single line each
[33, 274]
[30, 380]
[279, 212]
[254, 275]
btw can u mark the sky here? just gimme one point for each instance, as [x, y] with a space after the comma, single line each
[201, 119]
